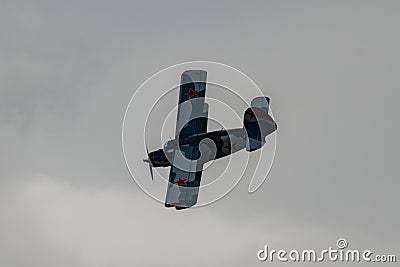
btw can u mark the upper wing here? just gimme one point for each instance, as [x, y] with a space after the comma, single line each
[192, 109]
[185, 173]
[184, 178]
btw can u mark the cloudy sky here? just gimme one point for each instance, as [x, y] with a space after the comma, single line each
[69, 68]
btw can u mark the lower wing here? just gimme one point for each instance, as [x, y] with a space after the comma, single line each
[184, 178]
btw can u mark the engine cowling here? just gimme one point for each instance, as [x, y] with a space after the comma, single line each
[159, 159]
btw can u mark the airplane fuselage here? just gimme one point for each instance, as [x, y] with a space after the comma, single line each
[212, 145]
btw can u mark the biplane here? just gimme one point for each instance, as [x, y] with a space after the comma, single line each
[193, 146]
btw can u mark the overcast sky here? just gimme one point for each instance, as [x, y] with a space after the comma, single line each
[69, 68]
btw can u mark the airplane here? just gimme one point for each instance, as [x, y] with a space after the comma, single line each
[193, 146]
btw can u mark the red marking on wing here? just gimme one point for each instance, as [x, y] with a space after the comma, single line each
[181, 182]
[191, 93]
[176, 203]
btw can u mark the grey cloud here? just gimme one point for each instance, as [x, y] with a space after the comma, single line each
[68, 70]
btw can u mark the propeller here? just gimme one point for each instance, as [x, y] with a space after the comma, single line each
[150, 164]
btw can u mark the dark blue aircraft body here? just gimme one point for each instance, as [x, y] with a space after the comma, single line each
[193, 145]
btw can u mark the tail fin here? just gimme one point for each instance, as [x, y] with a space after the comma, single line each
[258, 123]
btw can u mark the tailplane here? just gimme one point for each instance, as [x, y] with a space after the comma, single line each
[258, 123]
